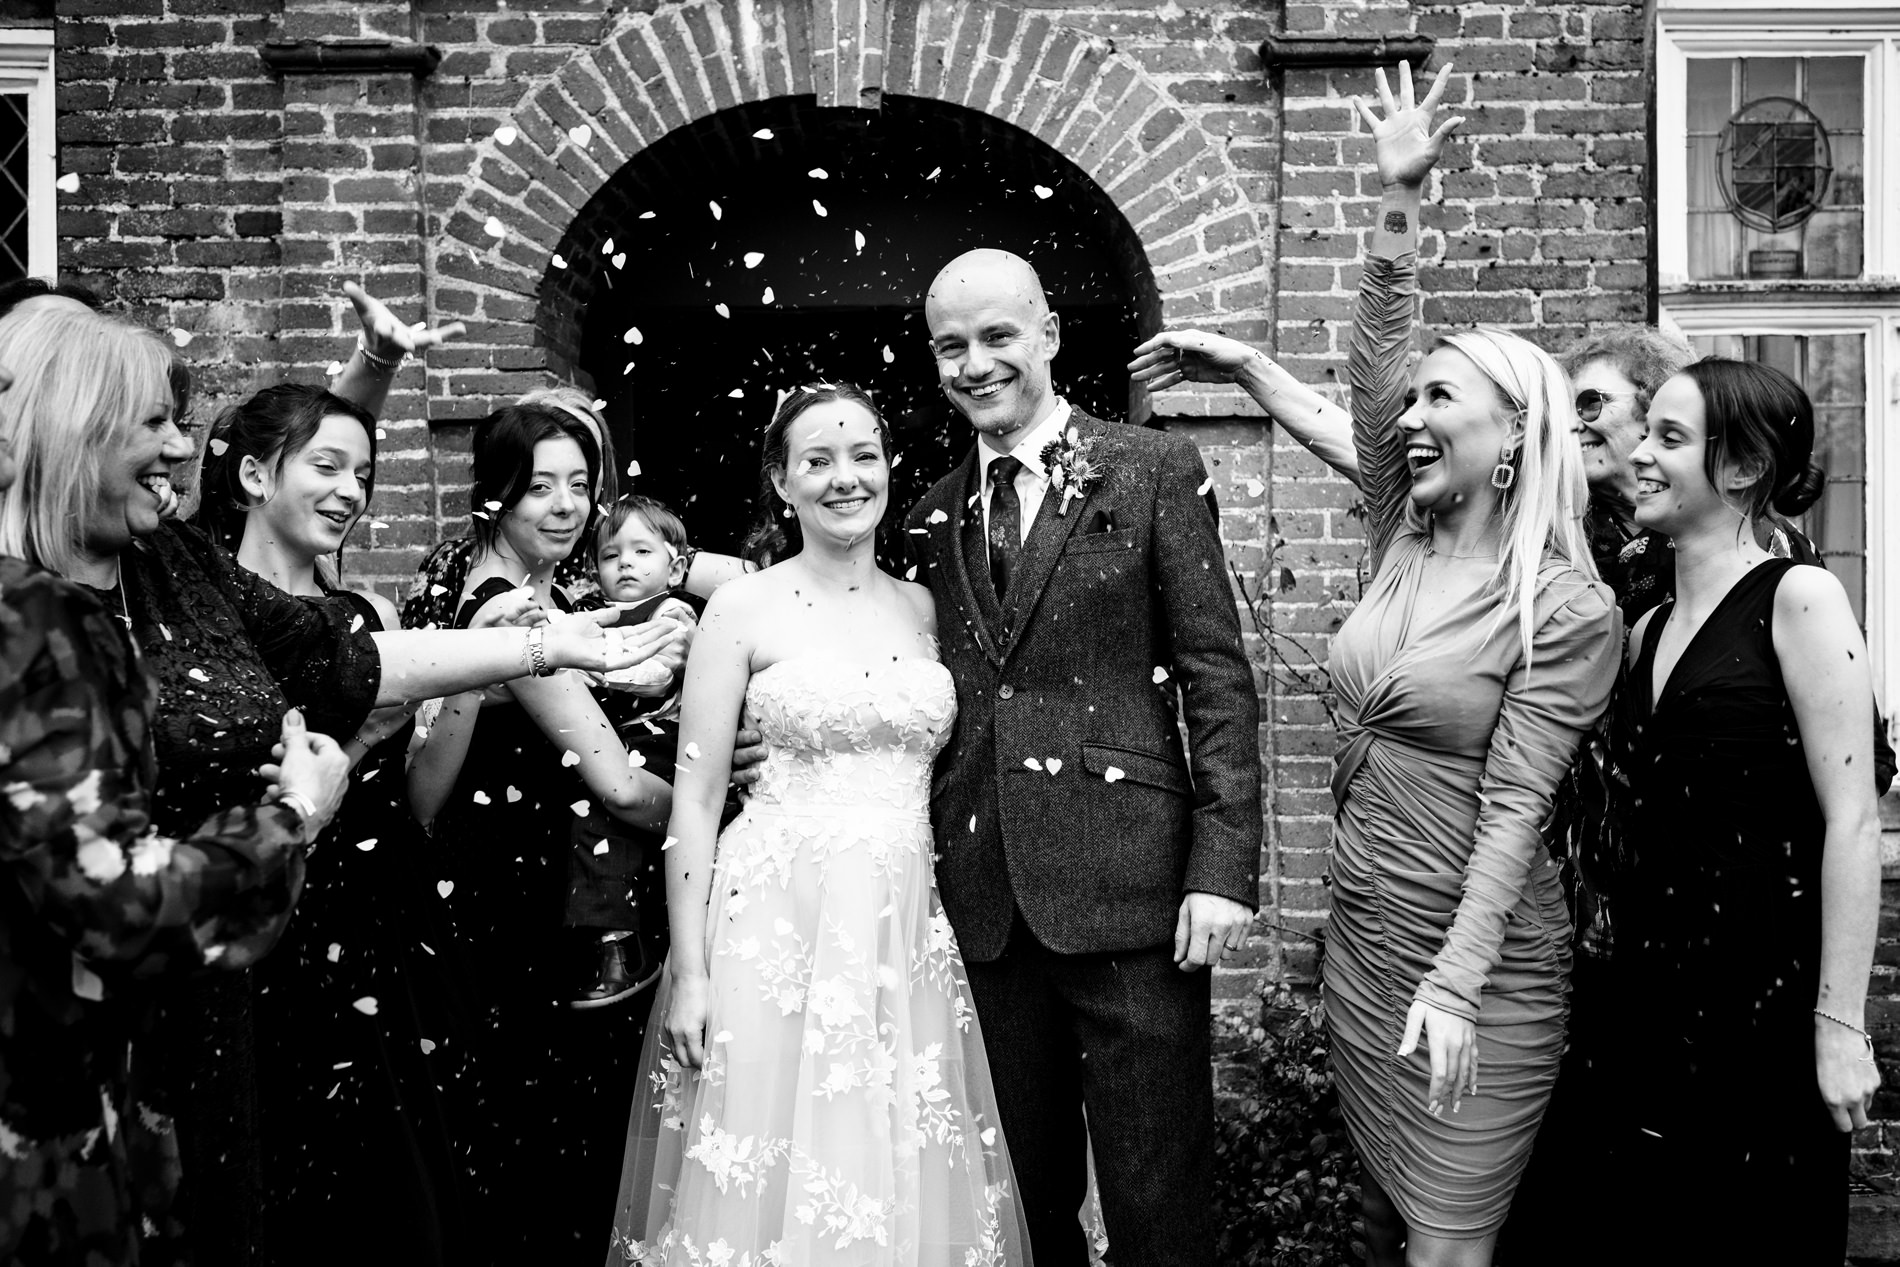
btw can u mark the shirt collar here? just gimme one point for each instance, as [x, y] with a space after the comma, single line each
[1028, 449]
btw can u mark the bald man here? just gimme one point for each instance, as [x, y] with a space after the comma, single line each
[1091, 871]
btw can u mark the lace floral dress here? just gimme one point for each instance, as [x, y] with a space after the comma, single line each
[845, 1114]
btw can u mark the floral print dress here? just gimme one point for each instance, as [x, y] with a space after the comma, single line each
[845, 1114]
[96, 906]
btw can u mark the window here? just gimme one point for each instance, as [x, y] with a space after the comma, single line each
[1777, 233]
[27, 154]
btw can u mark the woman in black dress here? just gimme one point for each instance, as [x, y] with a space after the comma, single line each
[354, 1095]
[229, 654]
[1747, 904]
[554, 1085]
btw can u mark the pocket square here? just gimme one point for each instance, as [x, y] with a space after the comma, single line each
[1100, 521]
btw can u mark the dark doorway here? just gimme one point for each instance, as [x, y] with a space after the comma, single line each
[712, 314]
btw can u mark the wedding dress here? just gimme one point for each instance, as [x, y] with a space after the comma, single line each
[845, 1115]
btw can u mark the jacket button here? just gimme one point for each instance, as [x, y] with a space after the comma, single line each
[1005, 691]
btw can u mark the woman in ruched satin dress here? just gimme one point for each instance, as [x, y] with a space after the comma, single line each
[1480, 653]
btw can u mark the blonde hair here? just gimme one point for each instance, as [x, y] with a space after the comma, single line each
[1543, 508]
[81, 382]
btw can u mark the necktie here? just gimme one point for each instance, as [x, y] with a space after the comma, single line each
[1006, 523]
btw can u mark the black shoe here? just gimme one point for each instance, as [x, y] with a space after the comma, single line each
[616, 980]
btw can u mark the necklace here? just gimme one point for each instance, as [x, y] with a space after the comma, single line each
[125, 609]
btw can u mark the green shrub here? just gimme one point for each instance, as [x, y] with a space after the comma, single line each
[1286, 1182]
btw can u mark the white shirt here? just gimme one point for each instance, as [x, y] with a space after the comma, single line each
[1033, 480]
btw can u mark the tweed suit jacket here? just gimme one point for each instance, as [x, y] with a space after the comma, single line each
[1064, 791]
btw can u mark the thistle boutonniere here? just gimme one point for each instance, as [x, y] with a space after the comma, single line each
[1072, 465]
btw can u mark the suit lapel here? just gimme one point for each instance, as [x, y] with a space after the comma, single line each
[959, 543]
[1047, 536]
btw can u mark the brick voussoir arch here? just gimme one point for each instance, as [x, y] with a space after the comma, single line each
[659, 71]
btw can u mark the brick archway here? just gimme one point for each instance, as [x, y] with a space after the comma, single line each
[575, 128]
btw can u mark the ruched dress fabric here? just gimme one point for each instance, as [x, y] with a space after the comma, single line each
[1442, 890]
[845, 1115]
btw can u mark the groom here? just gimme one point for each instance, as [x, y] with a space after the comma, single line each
[1091, 870]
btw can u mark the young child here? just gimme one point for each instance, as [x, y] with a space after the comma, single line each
[640, 556]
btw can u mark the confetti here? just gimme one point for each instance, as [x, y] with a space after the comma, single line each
[366, 1005]
[580, 134]
[335, 368]
[647, 215]
[570, 758]
[633, 470]
[366, 845]
[767, 297]
[819, 207]
[1205, 485]
[428, 1045]
[635, 760]
[494, 228]
[857, 237]
[1055, 765]
[736, 393]
[600, 849]
[607, 247]
[1033, 764]
[580, 808]
[937, 517]
[444, 887]
[505, 135]
[68, 184]
[716, 212]
[819, 173]
[335, 952]
[599, 404]
[1160, 675]
[910, 573]
[722, 310]
[1043, 191]
[754, 258]
[692, 752]
[668, 843]
[889, 356]
[619, 260]
[557, 261]
[973, 822]
[989, 1135]
[1113, 774]
[633, 336]
[1255, 488]
[723, 1036]
[218, 447]
[934, 173]
[181, 337]
[381, 434]
[513, 794]
[763, 134]
[197, 675]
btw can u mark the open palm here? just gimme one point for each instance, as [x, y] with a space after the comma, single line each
[1406, 145]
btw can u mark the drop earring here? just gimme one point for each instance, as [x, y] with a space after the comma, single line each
[788, 512]
[1503, 475]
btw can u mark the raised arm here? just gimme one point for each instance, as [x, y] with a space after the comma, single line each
[379, 353]
[1195, 356]
[1407, 148]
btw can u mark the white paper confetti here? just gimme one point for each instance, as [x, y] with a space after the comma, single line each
[937, 517]
[889, 356]
[1255, 488]
[335, 368]
[1043, 191]
[197, 675]
[668, 843]
[722, 310]
[557, 261]
[767, 297]
[754, 258]
[1160, 675]
[513, 794]
[763, 134]
[736, 393]
[335, 952]
[428, 1045]
[505, 135]
[1033, 764]
[934, 173]
[910, 573]
[973, 822]
[857, 237]
[723, 1036]
[717, 214]
[570, 758]
[366, 1005]
[580, 134]
[633, 470]
[444, 887]
[181, 337]
[633, 336]
[1055, 765]
[619, 260]
[600, 849]
[819, 173]
[607, 247]
[494, 228]
[1205, 485]
[1113, 774]
[635, 760]
[647, 215]
[692, 752]
[218, 447]
[366, 845]
[68, 184]
[580, 808]
[819, 207]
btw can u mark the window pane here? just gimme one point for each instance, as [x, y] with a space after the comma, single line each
[1833, 370]
[1769, 167]
[13, 181]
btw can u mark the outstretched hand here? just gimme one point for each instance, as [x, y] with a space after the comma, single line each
[1406, 144]
[389, 338]
[1190, 356]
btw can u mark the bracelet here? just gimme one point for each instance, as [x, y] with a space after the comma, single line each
[383, 363]
[300, 805]
[1865, 1037]
[537, 651]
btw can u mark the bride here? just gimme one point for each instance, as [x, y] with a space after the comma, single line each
[817, 1092]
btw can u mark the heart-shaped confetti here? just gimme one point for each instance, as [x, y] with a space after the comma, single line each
[505, 135]
[633, 336]
[619, 260]
[557, 261]
[570, 758]
[181, 337]
[580, 134]
[218, 447]
[1043, 191]
[736, 393]
[600, 849]
[635, 760]
[68, 184]
[335, 952]
[717, 214]
[1255, 488]
[819, 207]
[633, 470]
[1113, 774]
[1055, 765]
[366, 1005]
[607, 247]
[763, 134]
[580, 808]
[722, 310]
[335, 368]
[819, 173]
[513, 794]
[768, 296]
[754, 258]
[444, 887]
[480, 797]
[366, 845]
[937, 517]
[428, 1045]
[857, 237]
[1033, 764]
[668, 843]
[493, 228]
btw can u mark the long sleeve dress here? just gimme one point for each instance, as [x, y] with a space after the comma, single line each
[229, 653]
[1451, 746]
[98, 906]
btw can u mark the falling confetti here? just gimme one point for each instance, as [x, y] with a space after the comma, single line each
[68, 184]
[428, 1045]
[635, 760]
[494, 228]
[1205, 485]
[1113, 774]
[218, 447]
[633, 470]
[692, 752]
[505, 135]
[633, 335]
[513, 794]
[973, 822]
[763, 134]
[601, 849]
[181, 337]
[580, 134]
[736, 393]
[722, 310]
[934, 173]
[570, 758]
[647, 215]
[1033, 764]
[767, 297]
[1043, 191]
[1255, 488]
[819, 207]
[619, 260]
[335, 952]
[366, 845]
[857, 237]
[717, 213]
[444, 887]
[1160, 675]
[1055, 765]
[480, 797]
[937, 517]
[366, 1005]
[580, 808]
[336, 367]
[607, 247]
[668, 843]
[557, 261]
[599, 404]
[754, 258]
[819, 173]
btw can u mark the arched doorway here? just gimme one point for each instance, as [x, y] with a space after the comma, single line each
[777, 243]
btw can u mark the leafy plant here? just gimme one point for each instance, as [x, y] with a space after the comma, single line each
[1286, 1181]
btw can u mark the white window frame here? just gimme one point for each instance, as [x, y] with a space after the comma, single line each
[26, 66]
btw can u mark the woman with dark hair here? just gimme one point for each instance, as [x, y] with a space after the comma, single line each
[91, 418]
[354, 1117]
[1747, 903]
[552, 1083]
[97, 905]
[818, 1092]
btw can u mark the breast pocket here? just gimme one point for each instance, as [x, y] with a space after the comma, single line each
[1122, 539]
